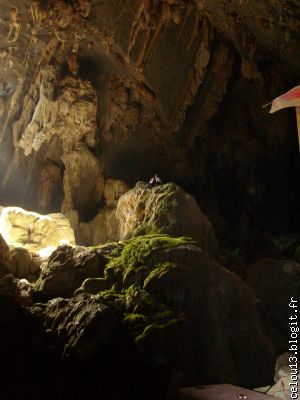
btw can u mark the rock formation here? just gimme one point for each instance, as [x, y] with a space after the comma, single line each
[66, 269]
[165, 291]
[187, 280]
[166, 209]
[35, 232]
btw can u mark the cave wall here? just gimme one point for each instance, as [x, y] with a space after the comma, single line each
[178, 88]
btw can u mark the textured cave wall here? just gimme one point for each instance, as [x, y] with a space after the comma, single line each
[179, 89]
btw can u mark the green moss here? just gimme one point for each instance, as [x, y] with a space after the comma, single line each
[136, 252]
[137, 300]
[135, 285]
[113, 298]
[147, 229]
[160, 270]
[144, 314]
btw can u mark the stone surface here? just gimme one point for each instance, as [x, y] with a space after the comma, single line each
[82, 181]
[35, 232]
[66, 269]
[166, 209]
[23, 263]
[113, 190]
[105, 227]
[64, 118]
[82, 324]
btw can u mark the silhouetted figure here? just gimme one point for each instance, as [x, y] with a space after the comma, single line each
[155, 180]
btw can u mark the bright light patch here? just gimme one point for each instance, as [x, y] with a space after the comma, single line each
[40, 234]
[46, 252]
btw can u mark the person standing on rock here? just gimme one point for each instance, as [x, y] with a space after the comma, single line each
[155, 180]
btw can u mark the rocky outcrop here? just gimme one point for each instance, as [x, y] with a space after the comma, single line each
[160, 298]
[165, 209]
[180, 306]
[35, 232]
[113, 190]
[66, 269]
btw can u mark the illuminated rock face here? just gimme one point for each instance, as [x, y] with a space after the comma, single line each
[65, 271]
[64, 119]
[35, 232]
[164, 209]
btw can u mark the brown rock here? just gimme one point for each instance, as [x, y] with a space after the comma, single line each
[66, 269]
[165, 209]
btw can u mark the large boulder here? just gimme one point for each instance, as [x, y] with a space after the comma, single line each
[35, 232]
[165, 209]
[181, 307]
[66, 269]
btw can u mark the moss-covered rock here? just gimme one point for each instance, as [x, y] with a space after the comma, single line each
[131, 261]
[169, 301]
[164, 209]
[179, 306]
